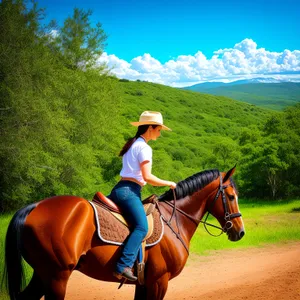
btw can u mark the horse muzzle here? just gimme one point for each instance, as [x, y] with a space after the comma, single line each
[235, 235]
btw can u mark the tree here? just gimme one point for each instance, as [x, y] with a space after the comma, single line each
[224, 155]
[79, 43]
[55, 121]
[261, 169]
[19, 52]
[271, 161]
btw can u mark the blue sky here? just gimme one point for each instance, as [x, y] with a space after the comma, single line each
[152, 38]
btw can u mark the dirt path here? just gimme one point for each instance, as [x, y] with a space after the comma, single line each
[270, 273]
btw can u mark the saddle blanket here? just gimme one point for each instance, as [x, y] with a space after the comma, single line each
[112, 231]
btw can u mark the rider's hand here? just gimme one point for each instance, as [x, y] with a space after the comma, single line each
[172, 185]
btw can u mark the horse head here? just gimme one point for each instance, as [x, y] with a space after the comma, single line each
[223, 205]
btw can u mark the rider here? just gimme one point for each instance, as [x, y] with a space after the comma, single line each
[136, 172]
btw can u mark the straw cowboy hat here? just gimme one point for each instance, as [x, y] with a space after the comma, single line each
[151, 118]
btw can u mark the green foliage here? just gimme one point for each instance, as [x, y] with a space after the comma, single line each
[226, 151]
[63, 122]
[79, 43]
[273, 157]
[55, 121]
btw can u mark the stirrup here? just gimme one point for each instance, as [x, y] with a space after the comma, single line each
[127, 274]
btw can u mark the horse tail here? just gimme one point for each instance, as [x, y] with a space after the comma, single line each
[13, 276]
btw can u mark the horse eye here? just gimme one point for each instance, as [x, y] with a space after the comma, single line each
[231, 197]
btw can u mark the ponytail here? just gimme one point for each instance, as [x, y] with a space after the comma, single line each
[141, 130]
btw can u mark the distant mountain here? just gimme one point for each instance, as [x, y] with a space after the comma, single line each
[266, 92]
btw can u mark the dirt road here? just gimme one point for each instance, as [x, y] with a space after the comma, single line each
[268, 273]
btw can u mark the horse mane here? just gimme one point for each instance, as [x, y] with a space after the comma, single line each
[191, 184]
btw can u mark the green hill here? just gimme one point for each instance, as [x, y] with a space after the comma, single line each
[202, 125]
[188, 108]
[269, 95]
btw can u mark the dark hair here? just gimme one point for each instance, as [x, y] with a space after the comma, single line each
[141, 130]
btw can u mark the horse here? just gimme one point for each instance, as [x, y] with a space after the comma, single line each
[57, 235]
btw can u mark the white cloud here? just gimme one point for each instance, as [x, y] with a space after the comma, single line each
[146, 64]
[242, 61]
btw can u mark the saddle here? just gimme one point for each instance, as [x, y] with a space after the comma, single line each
[100, 199]
[112, 228]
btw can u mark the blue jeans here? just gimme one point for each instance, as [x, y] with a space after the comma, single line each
[127, 195]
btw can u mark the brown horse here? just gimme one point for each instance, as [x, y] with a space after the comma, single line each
[58, 235]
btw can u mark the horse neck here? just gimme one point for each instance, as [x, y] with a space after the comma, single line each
[195, 206]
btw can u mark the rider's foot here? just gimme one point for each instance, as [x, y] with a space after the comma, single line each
[127, 273]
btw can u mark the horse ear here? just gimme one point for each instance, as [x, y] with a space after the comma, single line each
[229, 174]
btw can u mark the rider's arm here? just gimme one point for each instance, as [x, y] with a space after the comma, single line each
[146, 168]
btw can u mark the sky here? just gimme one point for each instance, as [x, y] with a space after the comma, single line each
[181, 43]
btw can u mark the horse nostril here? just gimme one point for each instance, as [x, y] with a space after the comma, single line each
[242, 233]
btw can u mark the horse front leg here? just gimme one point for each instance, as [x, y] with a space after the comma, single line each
[157, 290]
[56, 285]
[140, 292]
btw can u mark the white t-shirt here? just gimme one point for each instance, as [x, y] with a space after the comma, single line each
[139, 152]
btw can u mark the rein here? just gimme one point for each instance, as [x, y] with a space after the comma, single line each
[228, 217]
[169, 222]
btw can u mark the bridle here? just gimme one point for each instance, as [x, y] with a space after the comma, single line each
[227, 215]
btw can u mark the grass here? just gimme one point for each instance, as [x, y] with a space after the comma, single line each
[265, 223]
[4, 222]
